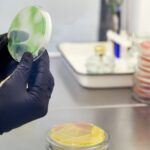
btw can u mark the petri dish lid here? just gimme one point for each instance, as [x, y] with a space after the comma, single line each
[77, 134]
[29, 31]
[145, 45]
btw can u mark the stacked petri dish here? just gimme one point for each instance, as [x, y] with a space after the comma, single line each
[81, 136]
[142, 76]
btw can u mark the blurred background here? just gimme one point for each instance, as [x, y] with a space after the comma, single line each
[97, 44]
[95, 36]
[81, 20]
[73, 20]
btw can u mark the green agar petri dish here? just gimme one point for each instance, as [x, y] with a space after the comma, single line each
[30, 31]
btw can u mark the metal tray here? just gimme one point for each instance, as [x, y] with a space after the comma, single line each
[75, 56]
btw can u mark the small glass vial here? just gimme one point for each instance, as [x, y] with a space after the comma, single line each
[142, 76]
[81, 136]
[100, 62]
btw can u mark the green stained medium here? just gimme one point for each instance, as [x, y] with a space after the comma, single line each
[40, 27]
[27, 32]
[16, 22]
[19, 36]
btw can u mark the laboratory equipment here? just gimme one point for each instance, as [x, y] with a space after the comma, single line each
[100, 62]
[142, 76]
[82, 136]
[30, 31]
[124, 51]
[75, 58]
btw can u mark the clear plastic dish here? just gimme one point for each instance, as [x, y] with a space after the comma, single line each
[77, 136]
[30, 31]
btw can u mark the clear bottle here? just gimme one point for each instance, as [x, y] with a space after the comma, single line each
[100, 63]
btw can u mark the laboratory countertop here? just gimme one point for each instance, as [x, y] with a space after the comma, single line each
[127, 121]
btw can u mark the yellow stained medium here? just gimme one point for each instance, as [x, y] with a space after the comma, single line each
[100, 49]
[78, 134]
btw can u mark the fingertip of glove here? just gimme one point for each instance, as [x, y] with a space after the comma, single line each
[44, 57]
[4, 40]
[3, 36]
[45, 54]
[27, 57]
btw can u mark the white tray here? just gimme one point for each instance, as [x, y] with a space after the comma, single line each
[76, 54]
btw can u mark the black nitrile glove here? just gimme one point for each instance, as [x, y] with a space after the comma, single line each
[7, 63]
[19, 104]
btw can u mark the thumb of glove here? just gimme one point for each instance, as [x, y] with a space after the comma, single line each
[22, 71]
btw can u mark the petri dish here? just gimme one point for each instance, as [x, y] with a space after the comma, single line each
[77, 136]
[141, 88]
[30, 31]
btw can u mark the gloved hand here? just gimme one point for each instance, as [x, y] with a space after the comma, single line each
[7, 63]
[20, 104]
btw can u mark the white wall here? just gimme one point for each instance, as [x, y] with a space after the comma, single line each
[73, 20]
[143, 13]
[137, 17]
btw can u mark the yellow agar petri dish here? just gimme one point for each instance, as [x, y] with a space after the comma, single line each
[79, 135]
